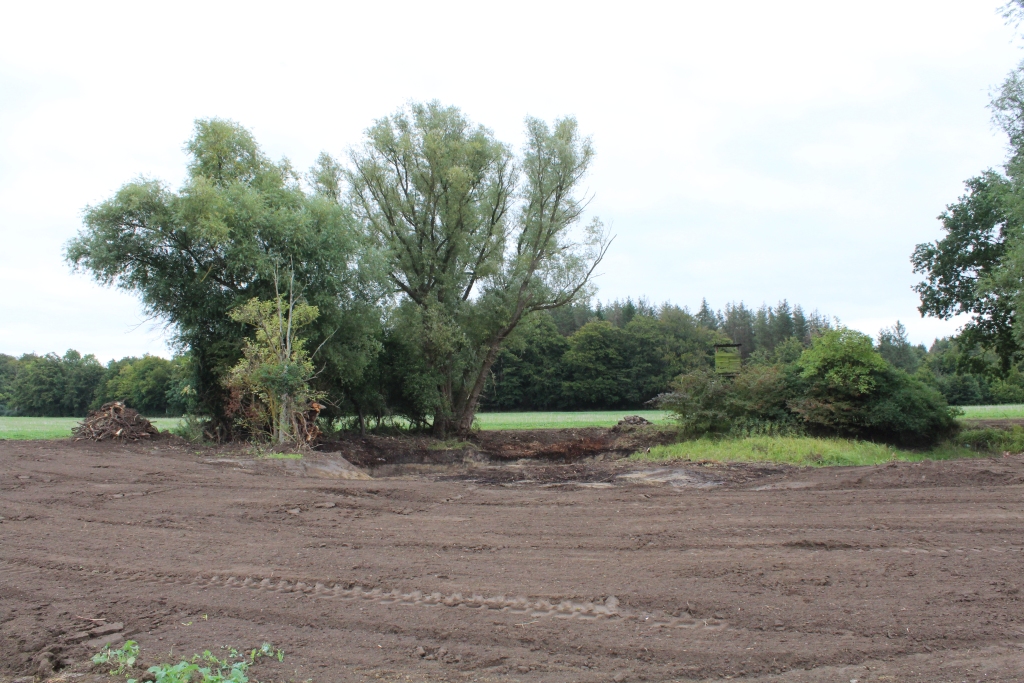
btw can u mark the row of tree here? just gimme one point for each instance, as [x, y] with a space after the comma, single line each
[613, 355]
[623, 354]
[72, 384]
[415, 259]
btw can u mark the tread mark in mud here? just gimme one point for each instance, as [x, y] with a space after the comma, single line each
[565, 609]
[609, 608]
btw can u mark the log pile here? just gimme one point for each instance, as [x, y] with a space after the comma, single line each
[115, 422]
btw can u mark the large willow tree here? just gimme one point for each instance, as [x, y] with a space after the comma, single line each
[239, 221]
[473, 237]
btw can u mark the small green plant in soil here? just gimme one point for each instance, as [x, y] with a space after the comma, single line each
[204, 668]
[122, 659]
[282, 456]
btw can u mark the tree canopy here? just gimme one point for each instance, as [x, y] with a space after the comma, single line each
[474, 237]
[194, 254]
[434, 242]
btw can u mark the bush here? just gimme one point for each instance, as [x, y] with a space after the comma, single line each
[752, 403]
[852, 391]
[699, 401]
[191, 428]
[839, 387]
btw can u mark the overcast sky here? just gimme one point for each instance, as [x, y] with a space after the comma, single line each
[747, 151]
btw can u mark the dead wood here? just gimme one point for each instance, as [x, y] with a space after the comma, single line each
[114, 422]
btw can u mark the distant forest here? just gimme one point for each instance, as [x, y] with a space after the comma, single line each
[607, 356]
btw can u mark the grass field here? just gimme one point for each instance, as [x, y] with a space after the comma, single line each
[992, 412]
[60, 427]
[54, 427]
[799, 451]
[606, 418]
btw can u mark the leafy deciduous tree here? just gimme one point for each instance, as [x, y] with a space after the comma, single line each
[195, 254]
[471, 248]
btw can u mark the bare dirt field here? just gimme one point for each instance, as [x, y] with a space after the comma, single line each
[592, 570]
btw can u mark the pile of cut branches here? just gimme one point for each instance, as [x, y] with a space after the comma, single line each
[115, 422]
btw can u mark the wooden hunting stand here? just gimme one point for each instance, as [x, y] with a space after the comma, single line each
[728, 359]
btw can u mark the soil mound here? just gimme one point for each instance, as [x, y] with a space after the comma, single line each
[634, 421]
[115, 422]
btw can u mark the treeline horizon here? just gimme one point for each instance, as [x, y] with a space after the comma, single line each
[609, 355]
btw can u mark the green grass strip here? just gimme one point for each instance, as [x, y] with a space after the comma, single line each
[566, 420]
[21, 428]
[992, 412]
[807, 451]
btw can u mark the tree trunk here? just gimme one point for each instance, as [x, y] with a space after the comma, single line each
[468, 412]
[282, 425]
[441, 425]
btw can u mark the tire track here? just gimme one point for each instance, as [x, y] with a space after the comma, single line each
[531, 608]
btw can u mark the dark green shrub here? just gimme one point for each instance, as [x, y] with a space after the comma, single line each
[752, 403]
[839, 387]
[699, 400]
[852, 391]
[1009, 389]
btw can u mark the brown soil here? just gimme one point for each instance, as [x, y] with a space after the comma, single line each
[588, 570]
[558, 445]
[998, 423]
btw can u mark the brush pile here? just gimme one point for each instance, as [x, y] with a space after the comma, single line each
[114, 422]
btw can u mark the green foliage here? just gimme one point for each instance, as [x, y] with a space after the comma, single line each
[191, 428]
[122, 659]
[842, 364]
[202, 668]
[961, 269]
[144, 384]
[197, 253]
[8, 371]
[839, 386]
[54, 386]
[271, 383]
[473, 238]
[601, 364]
[528, 372]
[988, 439]
[753, 402]
[699, 399]
[897, 350]
[851, 390]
